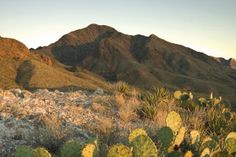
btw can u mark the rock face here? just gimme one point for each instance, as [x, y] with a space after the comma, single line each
[46, 60]
[231, 63]
[12, 48]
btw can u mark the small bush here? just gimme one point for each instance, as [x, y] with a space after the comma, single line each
[24, 73]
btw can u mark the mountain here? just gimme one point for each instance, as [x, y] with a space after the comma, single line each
[22, 69]
[143, 61]
[94, 56]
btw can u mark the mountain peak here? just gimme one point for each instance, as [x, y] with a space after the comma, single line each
[97, 26]
[86, 35]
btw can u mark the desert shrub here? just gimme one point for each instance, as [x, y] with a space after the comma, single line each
[24, 73]
[151, 101]
[121, 87]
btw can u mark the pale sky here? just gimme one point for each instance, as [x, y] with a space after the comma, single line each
[207, 26]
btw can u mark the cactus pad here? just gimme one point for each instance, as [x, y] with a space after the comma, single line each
[41, 152]
[119, 150]
[23, 151]
[180, 136]
[89, 150]
[174, 121]
[71, 149]
[188, 154]
[231, 135]
[177, 94]
[135, 133]
[143, 146]
[165, 136]
[205, 153]
[175, 154]
[195, 136]
[221, 154]
[230, 145]
[209, 143]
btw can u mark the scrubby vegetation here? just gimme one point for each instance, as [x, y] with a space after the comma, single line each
[188, 127]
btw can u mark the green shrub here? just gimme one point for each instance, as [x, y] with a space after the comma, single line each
[24, 73]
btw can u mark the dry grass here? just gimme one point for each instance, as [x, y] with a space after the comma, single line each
[96, 107]
[126, 107]
[50, 134]
[104, 125]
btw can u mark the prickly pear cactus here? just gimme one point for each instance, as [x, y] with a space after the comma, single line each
[175, 154]
[231, 135]
[230, 145]
[202, 101]
[195, 137]
[143, 146]
[221, 154]
[119, 150]
[174, 121]
[205, 153]
[41, 152]
[180, 136]
[209, 143]
[230, 142]
[23, 151]
[164, 136]
[90, 150]
[135, 133]
[177, 94]
[188, 154]
[71, 149]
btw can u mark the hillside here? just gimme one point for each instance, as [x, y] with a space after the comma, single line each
[143, 61]
[22, 69]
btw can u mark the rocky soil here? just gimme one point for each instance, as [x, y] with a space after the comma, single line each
[84, 113]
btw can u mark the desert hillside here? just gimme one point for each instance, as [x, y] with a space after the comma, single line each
[22, 69]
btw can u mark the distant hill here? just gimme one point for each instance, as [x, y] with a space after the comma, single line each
[143, 61]
[22, 69]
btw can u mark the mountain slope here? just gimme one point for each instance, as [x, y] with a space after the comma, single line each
[20, 68]
[142, 61]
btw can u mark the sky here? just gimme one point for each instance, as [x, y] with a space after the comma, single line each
[207, 26]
